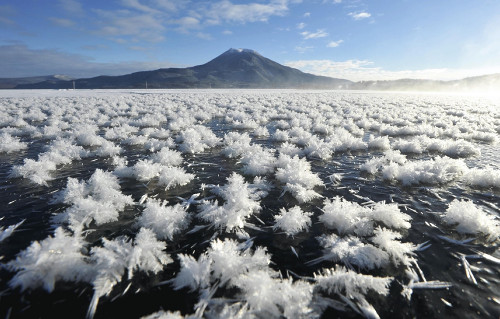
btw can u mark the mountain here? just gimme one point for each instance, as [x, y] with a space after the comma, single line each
[10, 83]
[235, 68]
[243, 68]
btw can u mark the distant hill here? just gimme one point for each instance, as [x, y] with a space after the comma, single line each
[235, 68]
[10, 83]
[243, 68]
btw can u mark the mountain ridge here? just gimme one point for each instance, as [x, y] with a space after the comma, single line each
[235, 68]
[245, 68]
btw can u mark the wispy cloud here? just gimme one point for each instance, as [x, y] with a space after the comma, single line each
[72, 6]
[185, 24]
[320, 33]
[226, 11]
[136, 5]
[204, 36]
[47, 62]
[303, 49]
[62, 22]
[301, 26]
[125, 23]
[359, 15]
[171, 5]
[6, 12]
[334, 44]
[141, 20]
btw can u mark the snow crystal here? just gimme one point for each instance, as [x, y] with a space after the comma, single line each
[54, 258]
[260, 132]
[439, 170]
[194, 274]
[240, 201]
[61, 151]
[109, 149]
[236, 144]
[471, 219]
[11, 144]
[144, 170]
[485, 177]
[174, 176]
[258, 160]
[390, 215]
[449, 147]
[167, 157]
[270, 296]
[6, 233]
[346, 217]
[351, 218]
[115, 256]
[99, 199]
[375, 164]
[342, 281]
[165, 221]
[290, 150]
[401, 253]
[342, 140]
[292, 221]
[379, 143]
[318, 148]
[280, 136]
[196, 139]
[119, 132]
[229, 261]
[352, 251]
[164, 315]
[296, 174]
[148, 254]
[86, 135]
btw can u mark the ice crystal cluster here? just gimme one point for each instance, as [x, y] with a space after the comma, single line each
[251, 204]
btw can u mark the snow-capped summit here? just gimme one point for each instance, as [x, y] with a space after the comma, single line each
[241, 50]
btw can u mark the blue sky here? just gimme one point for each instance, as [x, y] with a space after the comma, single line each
[352, 39]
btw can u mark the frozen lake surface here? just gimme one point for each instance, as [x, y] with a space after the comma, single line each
[249, 204]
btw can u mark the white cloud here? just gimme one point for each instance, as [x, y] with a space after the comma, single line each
[359, 15]
[171, 5]
[226, 11]
[334, 44]
[138, 48]
[204, 36]
[72, 6]
[133, 21]
[186, 23]
[6, 13]
[47, 62]
[227, 32]
[135, 4]
[125, 23]
[362, 70]
[62, 22]
[307, 14]
[301, 26]
[302, 49]
[314, 35]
